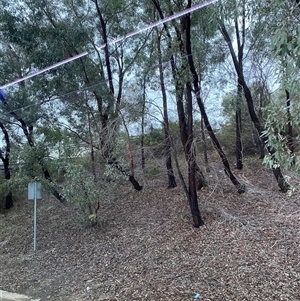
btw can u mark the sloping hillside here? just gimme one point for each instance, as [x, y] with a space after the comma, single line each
[147, 248]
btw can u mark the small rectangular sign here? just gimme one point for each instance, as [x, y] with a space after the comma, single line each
[31, 191]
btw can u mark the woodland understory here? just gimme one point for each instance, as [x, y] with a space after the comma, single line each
[147, 249]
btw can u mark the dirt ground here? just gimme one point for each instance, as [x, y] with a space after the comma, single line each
[147, 248]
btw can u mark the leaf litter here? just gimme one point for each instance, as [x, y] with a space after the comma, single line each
[147, 248]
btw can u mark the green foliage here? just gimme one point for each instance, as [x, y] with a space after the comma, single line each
[18, 184]
[227, 134]
[286, 42]
[277, 139]
[154, 137]
[152, 170]
[82, 189]
[250, 137]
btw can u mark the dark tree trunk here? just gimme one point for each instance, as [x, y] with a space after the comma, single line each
[135, 183]
[238, 124]
[8, 198]
[289, 129]
[5, 160]
[107, 148]
[48, 177]
[261, 147]
[259, 127]
[167, 141]
[204, 145]
[131, 178]
[240, 187]
[193, 199]
[238, 116]
[179, 87]
[143, 126]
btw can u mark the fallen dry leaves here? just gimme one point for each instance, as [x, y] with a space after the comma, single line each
[147, 248]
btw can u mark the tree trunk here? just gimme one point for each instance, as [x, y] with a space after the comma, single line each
[240, 187]
[135, 183]
[289, 129]
[238, 123]
[92, 153]
[5, 159]
[179, 87]
[193, 199]
[131, 177]
[167, 141]
[259, 127]
[143, 126]
[204, 145]
[8, 198]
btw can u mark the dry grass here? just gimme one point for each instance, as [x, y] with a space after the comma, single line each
[147, 248]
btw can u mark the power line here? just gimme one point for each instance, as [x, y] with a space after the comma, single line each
[131, 34]
[86, 88]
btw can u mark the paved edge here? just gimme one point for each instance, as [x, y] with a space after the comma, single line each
[6, 296]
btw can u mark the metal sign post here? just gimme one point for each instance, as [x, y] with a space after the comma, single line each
[34, 193]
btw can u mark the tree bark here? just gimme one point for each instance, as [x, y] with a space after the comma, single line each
[240, 187]
[289, 129]
[240, 49]
[179, 89]
[193, 199]
[248, 96]
[5, 159]
[204, 145]
[167, 140]
[238, 123]
[143, 126]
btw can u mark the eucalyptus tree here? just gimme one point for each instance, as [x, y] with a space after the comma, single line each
[196, 86]
[16, 51]
[232, 14]
[285, 44]
[186, 126]
[186, 42]
[171, 177]
[55, 31]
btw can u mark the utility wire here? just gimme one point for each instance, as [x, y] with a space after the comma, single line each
[131, 34]
[86, 88]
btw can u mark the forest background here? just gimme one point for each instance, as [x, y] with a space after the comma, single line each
[169, 159]
[221, 78]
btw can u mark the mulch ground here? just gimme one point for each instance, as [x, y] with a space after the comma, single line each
[147, 248]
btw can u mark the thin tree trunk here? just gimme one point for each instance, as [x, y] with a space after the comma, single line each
[143, 126]
[5, 159]
[167, 141]
[193, 199]
[204, 145]
[240, 49]
[289, 130]
[92, 153]
[238, 123]
[131, 177]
